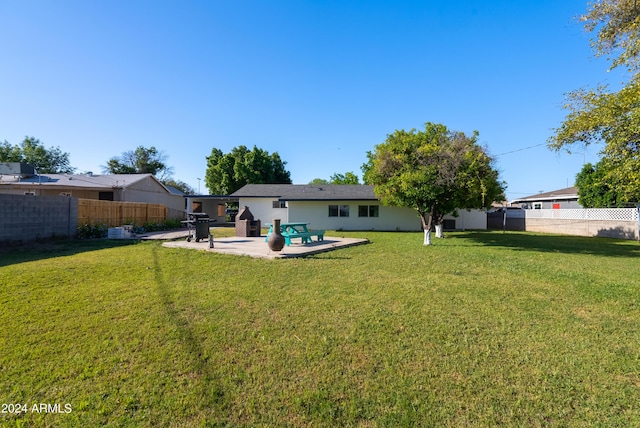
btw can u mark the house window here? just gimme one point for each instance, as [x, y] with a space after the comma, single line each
[368, 211]
[537, 205]
[105, 196]
[279, 204]
[338, 210]
[65, 193]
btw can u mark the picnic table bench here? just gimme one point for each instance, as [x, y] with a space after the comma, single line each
[296, 230]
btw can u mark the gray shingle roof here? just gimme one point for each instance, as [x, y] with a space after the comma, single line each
[308, 192]
[566, 193]
[78, 180]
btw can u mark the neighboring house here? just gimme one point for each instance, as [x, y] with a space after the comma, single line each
[339, 207]
[112, 187]
[557, 199]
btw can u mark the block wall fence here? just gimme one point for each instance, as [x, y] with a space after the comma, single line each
[621, 223]
[25, 218]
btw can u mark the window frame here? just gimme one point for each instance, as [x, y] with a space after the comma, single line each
[340, 211]
[371, 211]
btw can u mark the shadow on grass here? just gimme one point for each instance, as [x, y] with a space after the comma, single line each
[324, 256]
[556, 243]
[210, 388]
[41, 250]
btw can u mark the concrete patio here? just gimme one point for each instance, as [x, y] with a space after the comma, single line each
[253, 246]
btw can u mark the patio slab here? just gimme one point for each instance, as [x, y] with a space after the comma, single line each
[257, 247]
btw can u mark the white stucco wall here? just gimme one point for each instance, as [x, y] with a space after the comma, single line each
[262, 209]
[316, 213]
[389, 218]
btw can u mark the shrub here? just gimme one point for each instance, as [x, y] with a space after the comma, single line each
[91, 231]
[100, 230]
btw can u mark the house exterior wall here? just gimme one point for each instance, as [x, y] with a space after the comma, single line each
[150, 191]
[213, 208]
[262, 209]
[548, 205]
[317, 214]
[52, 191]
[389, 218]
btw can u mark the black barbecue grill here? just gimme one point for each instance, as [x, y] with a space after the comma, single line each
[198, 225]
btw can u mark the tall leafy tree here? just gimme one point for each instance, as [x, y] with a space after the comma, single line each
[337, 178]
[228, 172]
[317, 181]
[435, 171]
[597, 188]
[346, 178]
[46, 160]
[142, 160]
[610, 117]
[180, 185]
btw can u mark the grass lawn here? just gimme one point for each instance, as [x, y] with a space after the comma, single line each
[480, 329]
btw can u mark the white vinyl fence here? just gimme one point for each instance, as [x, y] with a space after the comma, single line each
[606, 222]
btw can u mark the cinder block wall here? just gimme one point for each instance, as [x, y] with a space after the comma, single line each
[602, 228]
[26, 218]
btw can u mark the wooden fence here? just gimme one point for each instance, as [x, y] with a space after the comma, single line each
[115, 213]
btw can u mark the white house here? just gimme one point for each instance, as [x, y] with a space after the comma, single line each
[339, 207]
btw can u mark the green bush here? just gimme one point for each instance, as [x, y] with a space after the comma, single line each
[100, 230]
[168, 224]
[91, 231]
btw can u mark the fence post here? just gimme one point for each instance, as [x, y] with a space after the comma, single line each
[638, 210]
[504, 221]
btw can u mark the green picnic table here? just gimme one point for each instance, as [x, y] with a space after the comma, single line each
[296, 230]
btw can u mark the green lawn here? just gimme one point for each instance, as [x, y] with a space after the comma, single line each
[480, 329]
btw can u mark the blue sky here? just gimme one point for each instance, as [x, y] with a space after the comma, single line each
[320, 82]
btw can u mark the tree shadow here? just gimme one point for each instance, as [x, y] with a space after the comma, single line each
[555, 243]
[617, 232]
[210, 386]
[51, 248]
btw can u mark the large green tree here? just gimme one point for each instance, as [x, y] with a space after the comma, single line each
[180, 185]
[338, 178]
[142, 160]
[228, 172]
[611, 117]
[595, 188]
[45, 160]
[435, 171]
[346, 178]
